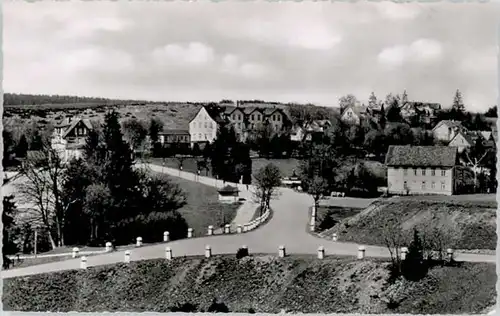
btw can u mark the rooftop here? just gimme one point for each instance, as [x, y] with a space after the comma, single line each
[421, 156]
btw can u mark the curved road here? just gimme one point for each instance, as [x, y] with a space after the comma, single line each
[287, 227]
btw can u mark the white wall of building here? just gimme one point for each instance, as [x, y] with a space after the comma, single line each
[435, 183]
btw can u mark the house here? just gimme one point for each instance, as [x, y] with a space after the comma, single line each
[247, 119]
[297, 133]
[203, 126]
[69, 137]
[229, 194]
[421, 169]
[315, 127]
[419, 112]
[353, 114]
[447, 129]
[171, 136]
[463, 139]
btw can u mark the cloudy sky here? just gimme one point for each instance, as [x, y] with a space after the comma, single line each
[304, 52]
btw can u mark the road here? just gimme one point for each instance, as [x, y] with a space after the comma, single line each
[288, 227]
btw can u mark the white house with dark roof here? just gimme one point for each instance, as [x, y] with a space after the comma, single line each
[69, 137]
[446, 130]
[413, 170]
[353, 114]
[203, 126]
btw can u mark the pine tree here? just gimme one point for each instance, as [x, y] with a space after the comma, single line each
[383, 119]
[404, 98]
[372, 100]
[22, 147]
[458, 104]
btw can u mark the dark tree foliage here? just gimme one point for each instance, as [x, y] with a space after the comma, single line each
[22, 147]
[414, 268]
[184, 308]
[492, 112]
[216, 307]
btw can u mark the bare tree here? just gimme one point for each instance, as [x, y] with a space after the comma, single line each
[394, 239]
[44, 176]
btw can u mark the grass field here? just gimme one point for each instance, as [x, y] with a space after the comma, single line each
[468, 221]
[203, 208]
[265, 284]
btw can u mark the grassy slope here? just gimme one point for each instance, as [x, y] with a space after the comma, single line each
[264, 283]
[203, 208]
[470, 219]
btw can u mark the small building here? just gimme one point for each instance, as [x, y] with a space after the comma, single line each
[69, 137]
[413, 170]
[171, 136]
[354, 114]
[446, 130]
[229, 194]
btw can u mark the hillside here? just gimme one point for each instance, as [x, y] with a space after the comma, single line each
[262, 283]
[469, 221]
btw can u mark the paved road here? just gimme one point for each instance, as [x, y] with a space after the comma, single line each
[287, 227]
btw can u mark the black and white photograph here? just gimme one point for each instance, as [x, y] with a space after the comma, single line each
[250, 157]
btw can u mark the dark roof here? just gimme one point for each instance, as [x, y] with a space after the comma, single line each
[228, 189]
[174, 132]
[434, 106]
[359, 110]
[85, 122]
[35, 155]
[421, 156]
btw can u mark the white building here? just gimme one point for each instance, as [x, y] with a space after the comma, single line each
[446, 130]
[203, 126]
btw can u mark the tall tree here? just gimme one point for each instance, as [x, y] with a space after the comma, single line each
[267, 179]
[372, 100]
[135, 132]
[22, 147]
[347, 101]
[383, 118]
[458, 104]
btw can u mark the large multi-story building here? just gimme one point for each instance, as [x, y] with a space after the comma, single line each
[248, 119]
[203, 126]
[421, 170]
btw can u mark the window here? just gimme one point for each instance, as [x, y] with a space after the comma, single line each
[433, 172]
[443, 173]
[274, 117]
[210, 124]
[443, 186]
[415, 171]
[199, 135]
[423, 185]
[405, 171]
[239, 116]
[239, 125]
[232, 117]
[423, 172]
[258, 117]
[349, 114]
[433, 185]
[278, 117]
[205, 125]
[405, 185]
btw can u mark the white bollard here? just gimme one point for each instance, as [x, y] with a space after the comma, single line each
[166, 236]
[127, 256]
[312, 227]
[321, 252]
[190, 232]
[109, 246]
[282, 252]
[404, 252]
[334, 237]
[210, 230]
[227, 229]
[75, 252]
[239, 229]
[449, 252]
[168, 253]
[313, 211]
[361, 252]
[83, 263]
[208, 251]
[138, 242]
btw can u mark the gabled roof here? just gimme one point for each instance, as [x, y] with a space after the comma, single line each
[449, 123]
[421, 156]
[215, 114]
[86, 123]
[359, 110]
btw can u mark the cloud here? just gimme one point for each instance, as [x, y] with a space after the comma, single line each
[191, 54]
[398, 11]
[233, 65]
[421, 50]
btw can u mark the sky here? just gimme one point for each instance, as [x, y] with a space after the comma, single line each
[288, 52]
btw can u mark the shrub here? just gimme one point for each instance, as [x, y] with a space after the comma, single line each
[414, 268]
[242, 252]
[251, 311]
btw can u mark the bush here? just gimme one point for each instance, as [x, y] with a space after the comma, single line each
[414, 267]
[242, 252]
